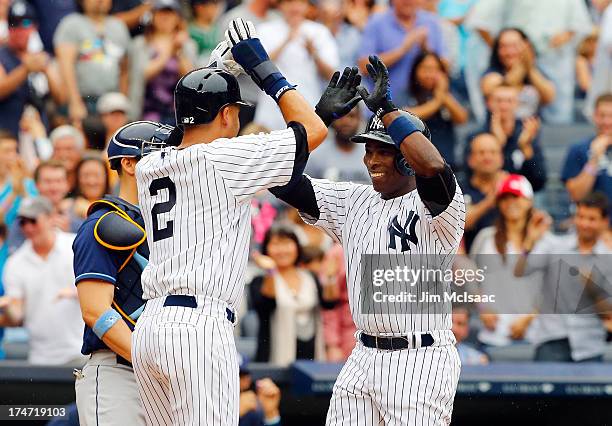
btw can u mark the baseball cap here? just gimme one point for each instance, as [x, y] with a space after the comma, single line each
[33, 207]
[516, 185]
[20, 12]
[113, 101]
[167, 4]
[243, 362]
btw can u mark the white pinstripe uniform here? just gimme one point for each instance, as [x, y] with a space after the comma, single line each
[392, 387]
[196, 208]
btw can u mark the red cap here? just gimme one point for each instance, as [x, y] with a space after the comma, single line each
[516, 185]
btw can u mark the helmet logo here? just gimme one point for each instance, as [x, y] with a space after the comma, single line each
[188, 120]
[377, 124]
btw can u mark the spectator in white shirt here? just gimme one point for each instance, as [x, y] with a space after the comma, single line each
[304, 51]
[40, 294]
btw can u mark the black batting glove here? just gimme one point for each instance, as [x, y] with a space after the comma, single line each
[379, 101]
[340, 96]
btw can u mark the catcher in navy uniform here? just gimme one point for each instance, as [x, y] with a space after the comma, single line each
[110, 251]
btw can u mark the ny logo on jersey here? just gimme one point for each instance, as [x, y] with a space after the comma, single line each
[406, 233]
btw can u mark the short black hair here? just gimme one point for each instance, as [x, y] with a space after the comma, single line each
[596, 200]
[282, 232]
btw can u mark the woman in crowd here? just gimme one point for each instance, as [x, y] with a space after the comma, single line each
[92, 184]
[358, 12]
[204, 28]
[585, 62]
[513, 61]
[287, 300]
[497, 248]
[159, 58]
[433, 102]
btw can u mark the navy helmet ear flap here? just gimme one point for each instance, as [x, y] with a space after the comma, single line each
[402, 165]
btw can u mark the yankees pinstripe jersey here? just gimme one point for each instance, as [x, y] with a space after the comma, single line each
[195, 204]
[364, 223]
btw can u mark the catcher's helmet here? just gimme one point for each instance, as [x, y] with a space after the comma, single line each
[138, 139]
[376, 131]
[201, 94]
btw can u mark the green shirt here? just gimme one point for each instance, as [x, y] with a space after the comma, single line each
[205, 39]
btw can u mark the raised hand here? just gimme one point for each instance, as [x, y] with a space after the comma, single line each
[248, 51]
[221, 57]
[379, 101]
[340, 96]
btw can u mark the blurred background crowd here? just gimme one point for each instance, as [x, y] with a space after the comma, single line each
[517, 94]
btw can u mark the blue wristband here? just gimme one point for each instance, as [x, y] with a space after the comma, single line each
[400, 129]
[252, 56]
[105, 322]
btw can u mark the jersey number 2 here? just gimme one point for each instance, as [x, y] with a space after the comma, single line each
[159, 208]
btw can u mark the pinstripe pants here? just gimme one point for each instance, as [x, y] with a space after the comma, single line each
[186, 364]
[402, 387]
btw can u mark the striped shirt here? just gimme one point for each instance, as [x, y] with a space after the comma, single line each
[357, 217]
[196, 207]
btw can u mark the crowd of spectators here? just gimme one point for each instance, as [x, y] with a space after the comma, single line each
[72, 72]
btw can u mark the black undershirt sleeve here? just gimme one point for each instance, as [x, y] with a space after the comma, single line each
[437, 192]
[298, 192]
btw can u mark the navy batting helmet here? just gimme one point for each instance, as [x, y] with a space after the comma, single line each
[201, 94]
[138, 139]
[376, 131]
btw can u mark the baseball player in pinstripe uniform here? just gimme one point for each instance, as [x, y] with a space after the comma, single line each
[195, 200]
[404, 368]
[109, 254]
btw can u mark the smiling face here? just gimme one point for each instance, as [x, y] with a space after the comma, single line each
[513, 208]
[486, 157]
[511, 48]
[283, 250]
[428, 72]
[386, 179]
[590, 222]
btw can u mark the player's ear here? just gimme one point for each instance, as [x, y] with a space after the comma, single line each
[226, 118]
[128, 165]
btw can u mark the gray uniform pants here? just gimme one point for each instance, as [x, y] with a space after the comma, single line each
[106, 393]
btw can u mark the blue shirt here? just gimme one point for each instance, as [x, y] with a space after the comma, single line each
[578, 156]
[50, 13]
[533, 169]
[473, 195]
[94, 261]
[383, 33]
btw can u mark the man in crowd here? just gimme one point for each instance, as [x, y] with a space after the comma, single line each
[485, 161]
[339, 159]
[91, 49]
[40, 295]
[588, 166]
[52, 183]
[258, 12]
[397, 36]
[568, 331]
[259, 400]
[21, 63]
[113, 108]
[304, 50]
[68, 146]
[518, 139]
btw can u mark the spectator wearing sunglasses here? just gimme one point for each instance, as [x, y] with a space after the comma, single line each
[40, 294]
[27, 74]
